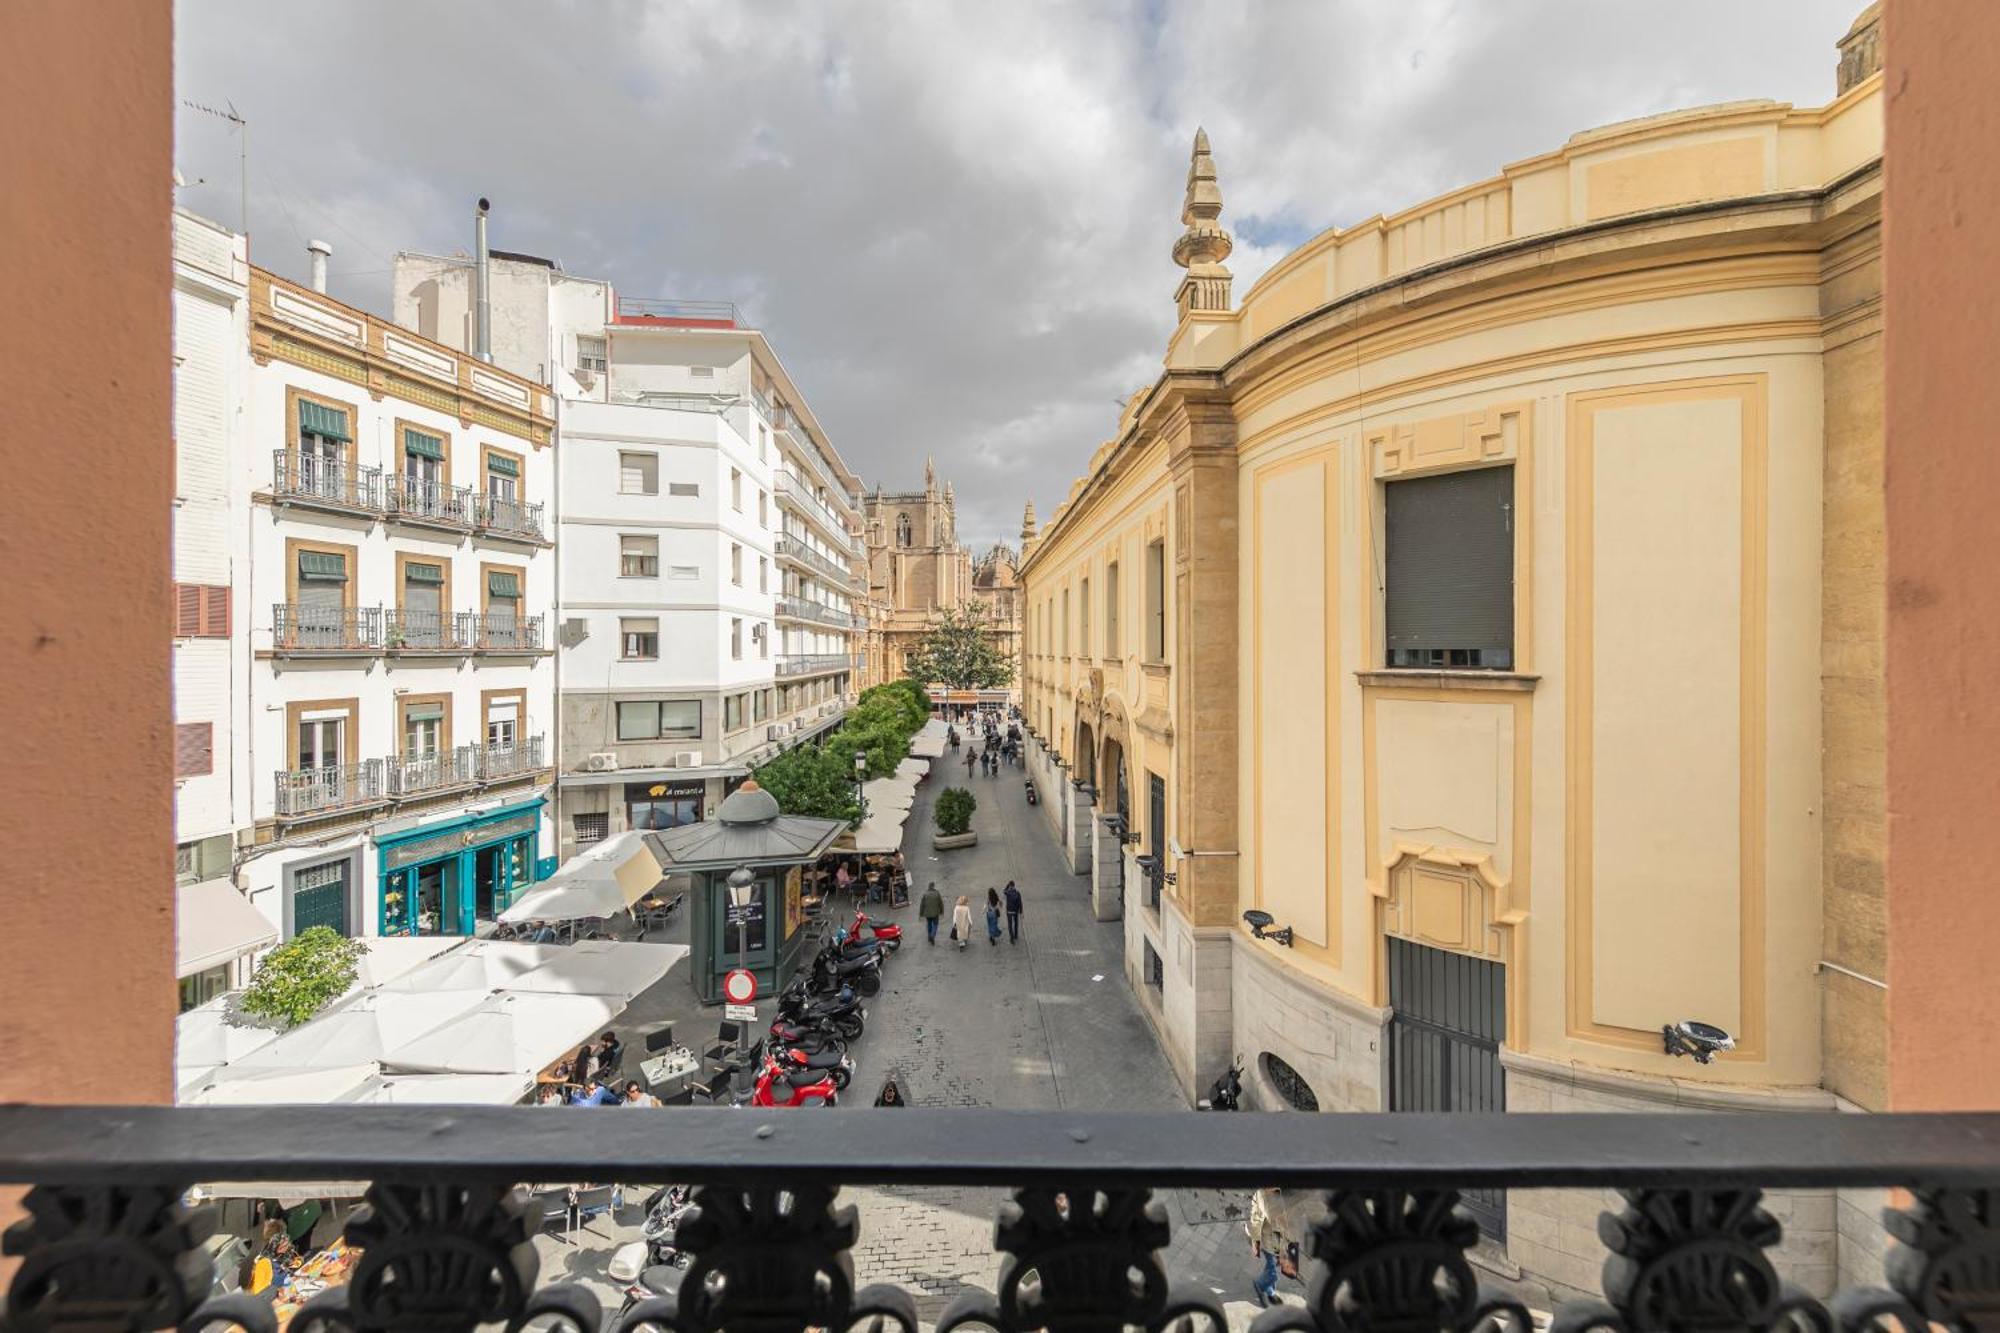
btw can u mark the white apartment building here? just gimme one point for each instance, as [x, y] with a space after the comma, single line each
[217, 928]
[707, 537]
[400, 617]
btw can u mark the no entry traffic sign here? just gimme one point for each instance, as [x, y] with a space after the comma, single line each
[739, 985]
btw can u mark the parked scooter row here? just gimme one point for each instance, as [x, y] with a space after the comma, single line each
[803, 1060]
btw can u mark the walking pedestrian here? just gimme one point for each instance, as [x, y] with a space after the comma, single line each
[1264, 1245]
[961, 922]
[930, 907]
[1012, 897]
[971, 758]
[890, 1095]
[993, 917]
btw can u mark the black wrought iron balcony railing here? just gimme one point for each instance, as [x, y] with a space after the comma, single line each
[303, 792]
[512, 759]
[407, 630]
[500, 632]
[325, 631]
[445, 1234]
[508, 518]
[427, 503]
[306, 479]
[441, 770]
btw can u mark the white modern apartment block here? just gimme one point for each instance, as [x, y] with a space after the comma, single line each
[707, 537]
[400, 613]
[217, 928]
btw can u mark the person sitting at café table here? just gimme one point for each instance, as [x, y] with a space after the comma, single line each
[610, 1054]
[595, 1095]
[638, 1096]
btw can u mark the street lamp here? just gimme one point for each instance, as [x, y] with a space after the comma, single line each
[861, 780]
[742, 892]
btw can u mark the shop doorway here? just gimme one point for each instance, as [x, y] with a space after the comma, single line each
[438, 903]
[489, 868]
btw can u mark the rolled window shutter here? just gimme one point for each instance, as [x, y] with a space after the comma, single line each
[194, 749]
[187, 610]
[1450, 561]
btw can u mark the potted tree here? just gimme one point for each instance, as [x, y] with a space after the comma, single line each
[953, 816]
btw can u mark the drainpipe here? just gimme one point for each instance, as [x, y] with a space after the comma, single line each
[482, 337]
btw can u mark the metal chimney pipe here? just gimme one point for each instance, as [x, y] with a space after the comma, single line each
[319, 250]
[482, 336]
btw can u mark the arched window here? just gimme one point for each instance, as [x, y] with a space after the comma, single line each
[902, 529]
[1289, 1083]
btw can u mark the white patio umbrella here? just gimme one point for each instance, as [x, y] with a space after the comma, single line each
[216, 1033]
[440, 1090]
[481, 965]
[391, 956]
[279, 1087]
[513, 1033]
[603, 881]
[929, 741]
[601, 967]
[913, 770]
[363, 1029]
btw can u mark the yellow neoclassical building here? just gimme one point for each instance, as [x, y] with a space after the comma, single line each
[1492, 600]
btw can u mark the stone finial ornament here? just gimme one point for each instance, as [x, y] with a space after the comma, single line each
[1204, 245]
[1028, 525]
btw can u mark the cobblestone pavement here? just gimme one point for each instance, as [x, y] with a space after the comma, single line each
[1046, 1024]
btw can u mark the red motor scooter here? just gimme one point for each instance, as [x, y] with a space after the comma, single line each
[886, 933]
[800, 1087]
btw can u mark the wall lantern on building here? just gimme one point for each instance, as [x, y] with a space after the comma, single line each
[1261, 924]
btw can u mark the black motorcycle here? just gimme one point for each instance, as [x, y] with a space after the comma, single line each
[1226, 1093]
[1034, 797]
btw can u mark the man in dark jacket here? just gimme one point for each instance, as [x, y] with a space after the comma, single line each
[1012, 896]
[930, 907]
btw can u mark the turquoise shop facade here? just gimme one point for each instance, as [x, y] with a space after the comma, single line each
[445, 878]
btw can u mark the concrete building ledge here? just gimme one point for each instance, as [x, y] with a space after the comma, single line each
[1309, 990]
[1448, 680]
[1678, 1093]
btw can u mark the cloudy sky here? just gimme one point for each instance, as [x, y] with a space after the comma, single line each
[953, 218]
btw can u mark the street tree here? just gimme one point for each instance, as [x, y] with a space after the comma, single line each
[961, 652]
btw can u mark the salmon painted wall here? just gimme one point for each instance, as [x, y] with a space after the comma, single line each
[86, 752]
[1941, 333]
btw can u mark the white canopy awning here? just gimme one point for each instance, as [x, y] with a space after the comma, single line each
[928, 743]
[390, 956]
[480, 965]
[880, 833]
[913, 770]
[440, 1090]
[610, 968]
[214, 923]
[364, 1028]
[279, 1087]
[215, 1033]
[602, 881]
[514, 1033]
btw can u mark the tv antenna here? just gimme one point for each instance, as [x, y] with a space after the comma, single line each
[242, 156]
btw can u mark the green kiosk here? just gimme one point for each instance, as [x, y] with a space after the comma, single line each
[753, 919]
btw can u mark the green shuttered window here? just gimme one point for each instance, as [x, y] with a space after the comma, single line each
[1449, 543]
[501, 584]
[501, 465]
[323, 566]
[423, 573]
[319, 419]
[423, 445]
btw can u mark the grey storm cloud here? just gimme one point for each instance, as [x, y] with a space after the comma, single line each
[952, 219]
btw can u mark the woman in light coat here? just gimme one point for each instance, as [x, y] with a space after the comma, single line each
[961, 922]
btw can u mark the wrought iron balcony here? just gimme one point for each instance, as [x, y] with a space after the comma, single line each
[497, 763]
[416, 633]
[802, 444]
[799, 551]
[819, 613]
[318, 791]
[796, 492]
[422, 774]
[323, 631]
[445, 1234]
[500, 633]
[427, 503]
[511, 519]
[302, 479]
[811, 664]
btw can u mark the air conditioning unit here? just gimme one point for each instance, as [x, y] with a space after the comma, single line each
[688, 759]
[600, 763]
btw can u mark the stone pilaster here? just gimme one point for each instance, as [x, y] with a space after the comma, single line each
[1082, 800]
[1107, 871]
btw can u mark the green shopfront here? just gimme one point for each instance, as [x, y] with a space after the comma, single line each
[445, 878]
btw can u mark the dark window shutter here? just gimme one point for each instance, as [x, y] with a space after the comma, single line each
[194, 749]
[215, 611]
[187, 610]
[1450, 562]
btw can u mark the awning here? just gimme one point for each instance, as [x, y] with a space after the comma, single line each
[512, 1033]
[500, 583]
[423, 445]
[929, 742]
[326, 422]
[416, 573]
[502, 465]
[322, 565]
[213, 923]
[602, 880]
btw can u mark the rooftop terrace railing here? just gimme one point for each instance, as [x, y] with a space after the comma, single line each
[445, 1234]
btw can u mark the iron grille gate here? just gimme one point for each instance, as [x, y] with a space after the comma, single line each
[1447, 1015]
